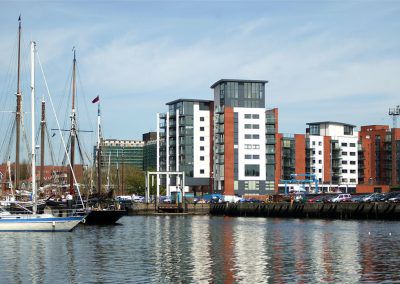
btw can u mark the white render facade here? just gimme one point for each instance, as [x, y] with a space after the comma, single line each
[341, 171]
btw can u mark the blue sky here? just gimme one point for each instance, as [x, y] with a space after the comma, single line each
[324, 60]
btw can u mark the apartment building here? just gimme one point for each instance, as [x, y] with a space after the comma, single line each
[185, 136]
[379, 158]
[240, 148]
[328, 150]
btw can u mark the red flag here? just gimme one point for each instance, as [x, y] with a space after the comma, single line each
[96, 99]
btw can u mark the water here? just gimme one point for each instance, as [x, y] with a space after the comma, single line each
[203, 249]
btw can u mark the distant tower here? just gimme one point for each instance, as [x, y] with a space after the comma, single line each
[395, 112]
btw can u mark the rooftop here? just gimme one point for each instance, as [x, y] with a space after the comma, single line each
[331, 122]
[188, 100]
[237, 80]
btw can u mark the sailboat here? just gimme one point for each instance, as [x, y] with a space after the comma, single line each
[98, 215]
[31, 220]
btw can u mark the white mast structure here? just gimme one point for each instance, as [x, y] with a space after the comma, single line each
[34, 206]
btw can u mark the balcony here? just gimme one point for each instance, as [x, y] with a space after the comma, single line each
[269, 120]
[219, 140]
[271, 141]
[220, 129]
[219, 109]
[221, 119]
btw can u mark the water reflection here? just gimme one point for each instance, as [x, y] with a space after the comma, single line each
[202, 249]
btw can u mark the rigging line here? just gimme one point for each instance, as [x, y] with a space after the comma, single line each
[80, 150]
[58, 125]
[7, 133]
[11, 140]
[8, 83]
[50, 146]
[85, 100]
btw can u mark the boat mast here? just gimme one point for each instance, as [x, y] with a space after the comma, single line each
[98, 150]
[34, 207]
[42, 128]
[73, 128]
[18, 112]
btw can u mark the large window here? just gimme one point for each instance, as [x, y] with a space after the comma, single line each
[314, 129]
[252, 170]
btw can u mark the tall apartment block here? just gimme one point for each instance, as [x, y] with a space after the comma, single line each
[379, 158]
[240, 123]
[185, 136]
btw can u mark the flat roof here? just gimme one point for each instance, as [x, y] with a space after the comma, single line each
[189, 100]
[331, 122]
[237, 80]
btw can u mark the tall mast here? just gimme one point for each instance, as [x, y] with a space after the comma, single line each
[18, 112]
[73, 127]
[42, 128]
[98, 150]
[34, 207]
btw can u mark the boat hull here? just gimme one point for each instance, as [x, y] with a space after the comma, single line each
[34, 224]
[103, 217]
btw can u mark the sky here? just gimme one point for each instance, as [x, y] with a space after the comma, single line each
[324, 60]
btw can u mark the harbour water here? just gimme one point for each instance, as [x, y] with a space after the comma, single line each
[204, 249]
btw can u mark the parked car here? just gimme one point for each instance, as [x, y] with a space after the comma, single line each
[357, 198]
[372, 197]
[395, 198]
[344, 197]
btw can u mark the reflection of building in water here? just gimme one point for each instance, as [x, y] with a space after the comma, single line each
[299, 244]
[200, 249]
[228, 260]
[250, 251]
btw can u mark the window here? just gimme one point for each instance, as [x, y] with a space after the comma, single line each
[201, 118]
[344, 153]
[256, 136]
[352, 144]
[344, 144]
[352, 171]
[255, 146]
[247, 126]
[252, 170]
[319, 143]
[348, 130]
[248, 146]
[313, 143]
[352, 180]
[256, 157]
[247, 157]
[201, 158]
[247, 136]
[202, 171]
[256, 116]
[247, 115]
[201, 128]
[314, 129]
[344, 162]
[320, 170]
[201, 138]
[319, 161]
[352, 162]
[344, 171]
[201, 148]
[352, 153]
[319, 152]
[256, 126]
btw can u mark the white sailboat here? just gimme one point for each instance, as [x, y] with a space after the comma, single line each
[31, 221]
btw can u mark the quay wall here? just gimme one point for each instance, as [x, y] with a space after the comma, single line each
[152, 208]
[378, 210]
